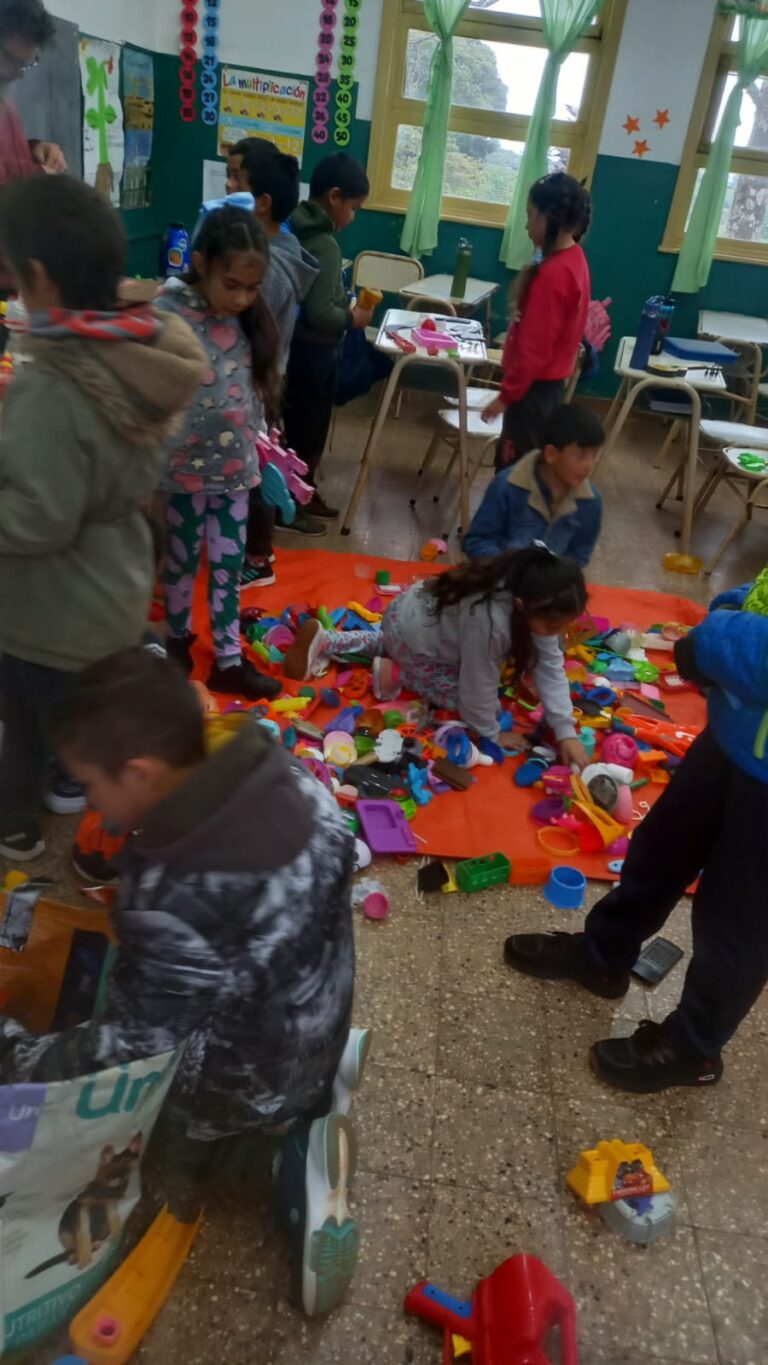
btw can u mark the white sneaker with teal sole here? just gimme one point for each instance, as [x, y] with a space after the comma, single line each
[330, 1233]
[351, 1067]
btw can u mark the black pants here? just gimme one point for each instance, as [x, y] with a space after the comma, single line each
[524, 422]
[261, 527]
[28, 694]
[713, 817]
[310, 393]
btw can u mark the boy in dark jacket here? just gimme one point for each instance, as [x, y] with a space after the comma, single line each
[713, 816]
[234, 943]
[339, 187]
[547, 495]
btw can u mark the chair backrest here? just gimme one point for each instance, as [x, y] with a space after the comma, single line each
[385, 271]
[422, 303]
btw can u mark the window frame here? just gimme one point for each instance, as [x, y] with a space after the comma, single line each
[720, 59]
[391, 108]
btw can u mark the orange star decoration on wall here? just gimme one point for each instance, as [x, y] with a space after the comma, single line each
[662, 118]
[632, 125]
[641, 148]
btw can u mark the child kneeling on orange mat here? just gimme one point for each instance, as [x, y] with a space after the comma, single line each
[234, 944]
[452, 636]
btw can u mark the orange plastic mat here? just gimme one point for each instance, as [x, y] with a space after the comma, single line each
[493, 816]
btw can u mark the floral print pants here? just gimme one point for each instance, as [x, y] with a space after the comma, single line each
[222, 520]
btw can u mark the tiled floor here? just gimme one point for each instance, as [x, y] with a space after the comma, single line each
[478, 1098]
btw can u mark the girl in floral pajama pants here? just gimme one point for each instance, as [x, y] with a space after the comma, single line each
[213, 465]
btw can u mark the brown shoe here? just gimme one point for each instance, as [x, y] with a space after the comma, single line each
[306, 651]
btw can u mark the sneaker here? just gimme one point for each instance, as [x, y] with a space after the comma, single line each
[315, 1167]
[22, 845]
[95, 852]
[304, 525]
[258, 575]
[351, 1067]
[318, 508]
[179, 651]
[306, 651]
[243, 680]
[652, 1059]
[563, 957]
[64, 796]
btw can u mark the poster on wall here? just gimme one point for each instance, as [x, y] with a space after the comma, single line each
[103, 136]
[139, 102]
[256, 105]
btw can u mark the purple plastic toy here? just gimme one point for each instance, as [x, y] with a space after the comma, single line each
[385, 827]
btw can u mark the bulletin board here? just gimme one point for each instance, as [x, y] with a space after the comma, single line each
[254, 104]
[48, 98]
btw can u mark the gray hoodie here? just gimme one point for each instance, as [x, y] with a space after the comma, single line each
[289, 278]
[476, 639]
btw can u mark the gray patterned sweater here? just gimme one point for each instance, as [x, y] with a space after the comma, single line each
[235, 938]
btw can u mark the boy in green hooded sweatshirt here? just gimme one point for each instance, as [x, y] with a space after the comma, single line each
[339, 187]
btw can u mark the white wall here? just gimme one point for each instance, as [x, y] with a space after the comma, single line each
[271, 36]
[121, 21]
[658, 67]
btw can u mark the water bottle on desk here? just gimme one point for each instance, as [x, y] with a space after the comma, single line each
[647, 332]
[461, 274]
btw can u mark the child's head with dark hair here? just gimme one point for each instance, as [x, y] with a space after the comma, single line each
[341, 186]
[131, 731]
[559, 214]
[25, 28]
[547, 592]
[64, 242]
[229, 261]
[571, 443]
[272, 177]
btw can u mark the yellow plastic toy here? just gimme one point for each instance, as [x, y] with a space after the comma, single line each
[14, 880]
[372, 617]
[616, 1170]
[109, 1329]
[608, 828]
[290, 704]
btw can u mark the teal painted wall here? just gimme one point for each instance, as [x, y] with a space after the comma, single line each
[632, 200]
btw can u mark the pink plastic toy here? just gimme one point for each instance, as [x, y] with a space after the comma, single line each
[287, 462]
[376, 906]
[434, 341]
[619, 749]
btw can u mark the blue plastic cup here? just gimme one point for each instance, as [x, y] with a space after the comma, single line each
[565, 888]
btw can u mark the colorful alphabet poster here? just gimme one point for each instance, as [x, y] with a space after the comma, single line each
[139, 102]
[103, 135]
[256, 105]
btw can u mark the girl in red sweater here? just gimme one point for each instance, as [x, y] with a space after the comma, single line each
[551, 300]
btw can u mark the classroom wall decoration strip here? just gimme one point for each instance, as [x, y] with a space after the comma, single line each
[210, 76]
[188, 65]
[325, 45]
[346, 77]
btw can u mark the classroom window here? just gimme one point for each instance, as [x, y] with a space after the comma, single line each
[743, 231]
[499, 56]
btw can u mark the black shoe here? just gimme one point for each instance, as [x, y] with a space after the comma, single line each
[22, 845]
[258, 575]
[180, 651]
[318, 508]
[563, 957]
[653, 1058]
[243, 680]
[304, 525]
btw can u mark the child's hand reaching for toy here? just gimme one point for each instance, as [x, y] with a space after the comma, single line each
[513, 743]
[572, 752]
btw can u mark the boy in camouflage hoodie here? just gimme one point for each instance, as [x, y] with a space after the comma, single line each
[234, 929]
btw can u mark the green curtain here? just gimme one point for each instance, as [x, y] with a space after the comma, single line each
[695, 259]
[423, 217]
[565, 21]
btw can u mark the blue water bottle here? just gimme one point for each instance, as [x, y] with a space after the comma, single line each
[174, 253]
[646, 333]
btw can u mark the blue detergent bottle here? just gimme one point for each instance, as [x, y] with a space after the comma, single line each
[174, 252]
[647, 332]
